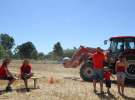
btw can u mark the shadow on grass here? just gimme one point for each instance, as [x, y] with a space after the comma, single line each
[106, 96]
[130, 83]
[74, 79]
[128, 98]
[23, 90]
[77, 79]
[2, 92]
[20, 90]
[127, 83]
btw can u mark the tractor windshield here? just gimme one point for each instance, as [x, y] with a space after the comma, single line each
[119, 45]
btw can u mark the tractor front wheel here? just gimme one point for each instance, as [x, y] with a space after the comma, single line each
[86, 73]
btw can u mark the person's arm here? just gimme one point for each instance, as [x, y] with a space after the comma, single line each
[21, 70]
[112, 76]
[31, 73]
[126, 65]
[30, 69]
[8, 72]
[105, 60]
[116, 66]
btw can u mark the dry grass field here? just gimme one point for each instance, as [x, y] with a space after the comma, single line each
[67, 86]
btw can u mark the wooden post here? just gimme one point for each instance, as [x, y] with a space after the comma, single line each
[35, 82]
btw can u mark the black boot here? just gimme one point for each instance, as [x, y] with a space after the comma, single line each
[27, 89]
[8, 89]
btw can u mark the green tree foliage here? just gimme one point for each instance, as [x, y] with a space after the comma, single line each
[69, 52]
[27, 50]
[34, 54]
[66, 53]
[2, 52]
[41, 56]
[16, 53]
[6, 41]
[49, 56]
[58, 51]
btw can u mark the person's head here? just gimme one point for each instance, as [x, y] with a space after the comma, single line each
[6, 61]
[26, 62]
[98, 49]
[122, 58]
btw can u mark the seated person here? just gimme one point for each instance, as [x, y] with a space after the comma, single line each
[121, 48]
[5, 74]
[26, 73]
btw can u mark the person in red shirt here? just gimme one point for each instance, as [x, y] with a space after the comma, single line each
[107, 75]
[98, 64]
[26, 73]
[5, 74]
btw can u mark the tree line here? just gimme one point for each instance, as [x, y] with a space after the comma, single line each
[28, 50]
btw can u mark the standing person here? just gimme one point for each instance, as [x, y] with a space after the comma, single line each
[120, 69]
[5, 74]
[107, 75]
[26, 73]
[98, 65]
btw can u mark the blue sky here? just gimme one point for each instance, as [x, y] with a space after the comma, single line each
[72, 22]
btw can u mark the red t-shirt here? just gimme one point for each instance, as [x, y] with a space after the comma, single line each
[107, 75]
[98, 60]
[3, 71]
[25, 69]
[120, 69]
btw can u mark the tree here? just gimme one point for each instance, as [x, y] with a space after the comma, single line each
[2, 52]
[41, 56]
[69, 52]
[16, 53]
[49, 56]
[34, 54]
[6, 41]
[27, 50]
[58, 51]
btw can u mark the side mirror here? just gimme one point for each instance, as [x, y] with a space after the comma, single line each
[105, 42]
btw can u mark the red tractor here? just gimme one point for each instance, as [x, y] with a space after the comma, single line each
[118, 45]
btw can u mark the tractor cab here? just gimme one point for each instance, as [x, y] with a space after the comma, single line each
[120, 44]
[123, 45]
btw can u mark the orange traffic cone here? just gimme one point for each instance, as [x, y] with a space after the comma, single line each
[51, 80]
